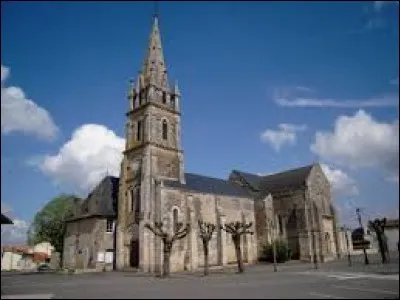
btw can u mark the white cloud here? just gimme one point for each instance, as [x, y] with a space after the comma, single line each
[305, 89]
[21, 114]
[285, 134]
[84, 160]
[360, 141]
[13, 233]
[378, 5]
[395, 81]
[341, 182]
[393, 178]
[4, 73]
[389, 100]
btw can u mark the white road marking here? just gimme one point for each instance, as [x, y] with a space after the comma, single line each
[319, 295]
[365, 290]
[346, 276]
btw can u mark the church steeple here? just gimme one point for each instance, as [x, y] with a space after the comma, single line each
[154, 69]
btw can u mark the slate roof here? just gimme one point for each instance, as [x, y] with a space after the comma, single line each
[5, 220]
[204, 184]
[102, 201]
[272, 183]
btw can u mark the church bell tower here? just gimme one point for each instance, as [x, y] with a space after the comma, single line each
[152, 152]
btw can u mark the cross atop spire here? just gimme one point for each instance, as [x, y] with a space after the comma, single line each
[154, 68]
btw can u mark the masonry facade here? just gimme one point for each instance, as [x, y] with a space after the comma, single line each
[293, 205]
[89, 241]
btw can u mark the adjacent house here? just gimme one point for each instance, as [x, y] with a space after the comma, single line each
[89, 240]
[24, 257]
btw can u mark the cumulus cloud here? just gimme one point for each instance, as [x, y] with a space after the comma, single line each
[13, 233]
[341, 182]
[19, 114]
[285, 134]
[91, 153]
[360, 141]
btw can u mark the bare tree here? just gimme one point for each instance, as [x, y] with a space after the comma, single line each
[379, 227]
[168, 240]
[206, 232]
[236, 230]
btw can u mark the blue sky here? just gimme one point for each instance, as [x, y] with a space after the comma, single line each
[266, 86]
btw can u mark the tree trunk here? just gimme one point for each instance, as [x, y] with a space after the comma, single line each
[205, 248]
[236, 242]
[167, 254]
[381, 248]
[274, 254]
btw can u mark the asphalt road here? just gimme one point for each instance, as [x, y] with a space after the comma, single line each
[301, 281]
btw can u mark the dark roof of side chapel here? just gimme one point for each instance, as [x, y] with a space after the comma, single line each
[101, 201]
[5, 220]
[204, 184]
[271, 183]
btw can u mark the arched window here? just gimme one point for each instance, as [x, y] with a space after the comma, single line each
[164, 98]
[175, 219]
[164, 130]
[132, 196]
[137, 198]
[139, 130]
[172, 102]
[141, 96]
[280, 223]
[327, 243]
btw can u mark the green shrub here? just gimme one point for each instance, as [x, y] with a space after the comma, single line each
[283, 252]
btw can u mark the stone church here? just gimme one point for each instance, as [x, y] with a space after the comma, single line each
[293, 205]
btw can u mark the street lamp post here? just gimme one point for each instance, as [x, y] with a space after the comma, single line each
[363, 236]
[346, 229]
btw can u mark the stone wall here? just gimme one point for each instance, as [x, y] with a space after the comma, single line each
[187, 254]
[319, 192]
[84, 239]
[392, 235]
[289, 207]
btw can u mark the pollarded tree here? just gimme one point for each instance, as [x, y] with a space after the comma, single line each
[168, 240]
[379, 227]
[206, 232]
[236, 230]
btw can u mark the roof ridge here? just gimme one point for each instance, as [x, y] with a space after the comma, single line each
[289, 170]
[275, 173]
[207, 176]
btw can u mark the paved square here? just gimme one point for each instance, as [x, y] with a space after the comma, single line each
[333, 280]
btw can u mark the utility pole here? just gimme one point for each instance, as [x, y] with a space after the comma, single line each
[363, 244]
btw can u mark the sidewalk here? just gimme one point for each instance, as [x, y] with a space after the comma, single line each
[358, 265]
[28, 296]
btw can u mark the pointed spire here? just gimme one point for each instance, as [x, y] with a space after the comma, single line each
[138, 83]
[176, 90]
[154, 69]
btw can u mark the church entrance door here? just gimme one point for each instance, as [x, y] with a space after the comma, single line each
[134, 254]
